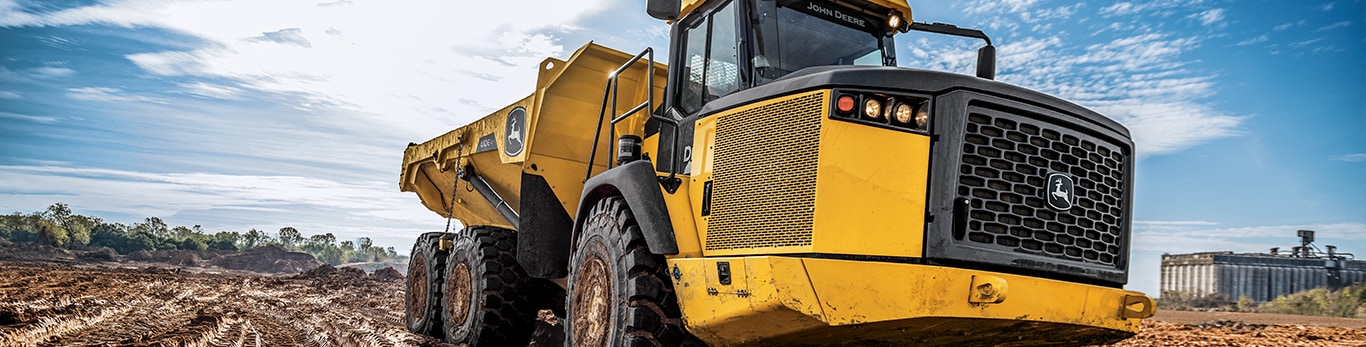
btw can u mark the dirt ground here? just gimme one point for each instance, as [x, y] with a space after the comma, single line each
[119, 304]
[1186, 328]
[131, 303]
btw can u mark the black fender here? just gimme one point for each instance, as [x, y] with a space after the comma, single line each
[637, 184]
[544, 232]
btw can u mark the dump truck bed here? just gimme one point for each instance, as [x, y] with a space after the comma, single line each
[543, 140]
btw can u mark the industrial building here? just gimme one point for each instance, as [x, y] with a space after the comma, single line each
[1260, 276]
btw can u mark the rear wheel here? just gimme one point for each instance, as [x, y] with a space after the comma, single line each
[487, 296]
[619, 294]
[425, 269]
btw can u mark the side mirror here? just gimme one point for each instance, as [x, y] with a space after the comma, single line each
[986, 62]
[663, 9]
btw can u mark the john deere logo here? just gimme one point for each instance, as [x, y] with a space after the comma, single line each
[1059, 191]
[514, 134]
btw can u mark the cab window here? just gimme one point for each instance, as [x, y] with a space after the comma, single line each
[710, 60]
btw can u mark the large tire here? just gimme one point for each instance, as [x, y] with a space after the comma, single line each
[422, 304]
[619, 292]
[487, 297]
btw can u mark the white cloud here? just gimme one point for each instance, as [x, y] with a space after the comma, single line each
[1201, 237]
[990, 6]
[8, 95]
[1171, 223]
[1335, 25]
[1286, 26]
[24, 117]
[1351, 158]
[1210, 17]
[404, 63]
[52, 72]
[107, 94]
[1255, 40]
[1120, 8]
[210, 90]
[291, 36]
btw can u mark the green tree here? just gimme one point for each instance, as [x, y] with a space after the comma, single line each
[224, 240]
[253, 238]
[75, 227]
[52, 234]
[153, 226]
[192, 244]
[290, 237]
[181, 233]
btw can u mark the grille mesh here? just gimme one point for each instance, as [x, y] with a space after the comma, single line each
[1005, 160]
[764, 177]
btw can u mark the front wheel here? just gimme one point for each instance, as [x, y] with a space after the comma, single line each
[619, 293]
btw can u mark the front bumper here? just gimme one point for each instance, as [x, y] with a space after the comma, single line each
[774, 300]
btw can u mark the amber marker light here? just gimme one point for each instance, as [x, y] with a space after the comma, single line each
[844, 104]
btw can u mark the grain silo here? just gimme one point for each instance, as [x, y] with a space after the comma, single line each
[1260, 276]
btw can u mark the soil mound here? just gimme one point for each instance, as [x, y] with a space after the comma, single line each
[272, 259]
[140, 255]
[101, 254]
[25, 251]
[387, 274]
[332, 277]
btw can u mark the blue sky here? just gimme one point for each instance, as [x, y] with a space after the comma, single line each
[262, 114]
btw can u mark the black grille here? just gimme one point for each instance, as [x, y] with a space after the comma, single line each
[1004, 164]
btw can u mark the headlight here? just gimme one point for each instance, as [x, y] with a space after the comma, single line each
[922, 115]
[872, 108]
[903, 113]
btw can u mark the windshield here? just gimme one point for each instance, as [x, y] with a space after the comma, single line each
[791, 35]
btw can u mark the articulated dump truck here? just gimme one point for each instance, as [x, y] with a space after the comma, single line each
[780, 182]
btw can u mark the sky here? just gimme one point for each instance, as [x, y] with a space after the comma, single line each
[263, 113]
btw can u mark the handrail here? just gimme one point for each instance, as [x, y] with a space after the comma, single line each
[610, 94]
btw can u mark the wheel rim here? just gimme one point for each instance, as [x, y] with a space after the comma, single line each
[459, 294]
[417, 289]
[592, 304]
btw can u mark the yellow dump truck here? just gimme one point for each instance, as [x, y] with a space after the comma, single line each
[780, 182]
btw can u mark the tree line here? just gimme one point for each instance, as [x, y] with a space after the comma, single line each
[1349, 301]
[59, 227]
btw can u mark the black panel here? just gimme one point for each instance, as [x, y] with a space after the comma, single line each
[543, 237]
[999, 170]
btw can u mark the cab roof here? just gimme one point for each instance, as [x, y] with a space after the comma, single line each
[897, 5]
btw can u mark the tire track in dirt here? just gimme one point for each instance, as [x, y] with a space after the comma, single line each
[88, 305]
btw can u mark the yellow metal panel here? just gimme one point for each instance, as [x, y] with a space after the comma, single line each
[870, 197]
[680, 205]
[801, 301]
[721, 313]
[704, 135]
[874, 291]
